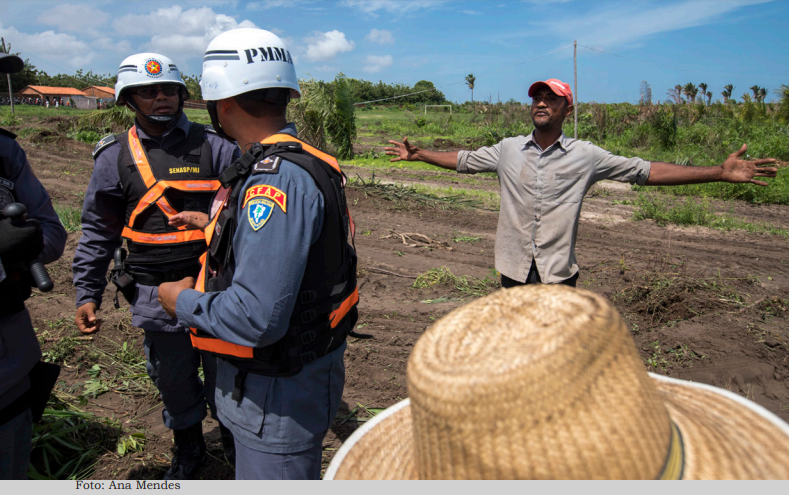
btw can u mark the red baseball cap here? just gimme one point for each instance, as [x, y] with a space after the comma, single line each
[558, 87]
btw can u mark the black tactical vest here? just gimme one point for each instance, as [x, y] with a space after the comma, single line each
[190, 159]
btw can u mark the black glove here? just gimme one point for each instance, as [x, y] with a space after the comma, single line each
[20, 244]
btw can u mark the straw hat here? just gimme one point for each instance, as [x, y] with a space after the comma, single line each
[544, 382]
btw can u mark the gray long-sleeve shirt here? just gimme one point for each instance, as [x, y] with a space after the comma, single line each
[277, 414]
[103, 217]
[19, 349]
[541, 196]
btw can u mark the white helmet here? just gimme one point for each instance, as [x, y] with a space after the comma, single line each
[145, 69]
[243, 60]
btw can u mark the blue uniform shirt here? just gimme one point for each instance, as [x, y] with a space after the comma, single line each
[276, 414]
[103, 218]
[19, 349]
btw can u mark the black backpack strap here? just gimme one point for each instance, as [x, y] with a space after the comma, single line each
[241, 167]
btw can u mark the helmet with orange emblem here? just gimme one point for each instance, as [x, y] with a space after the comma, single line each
[148, 69]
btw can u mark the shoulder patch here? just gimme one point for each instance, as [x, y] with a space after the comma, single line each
[8, 133]
[105, 142]
[210, 128]
[259, 211]
[269, 165]
[270, 192]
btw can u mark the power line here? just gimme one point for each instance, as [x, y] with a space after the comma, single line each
[463, 82]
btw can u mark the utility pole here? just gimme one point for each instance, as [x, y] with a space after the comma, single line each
[575, 87]
[10, 94]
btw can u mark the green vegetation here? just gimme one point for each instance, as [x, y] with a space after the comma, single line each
[469, 286]
[68, 441]
[665, 209]
[70, 217]
[404, 196]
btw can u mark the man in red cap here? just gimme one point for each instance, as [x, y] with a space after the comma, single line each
[543, 179]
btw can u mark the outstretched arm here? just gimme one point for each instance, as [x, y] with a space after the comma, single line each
[407, 151]
[732, 170]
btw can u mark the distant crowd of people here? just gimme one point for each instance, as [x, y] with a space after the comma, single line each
[101, 104]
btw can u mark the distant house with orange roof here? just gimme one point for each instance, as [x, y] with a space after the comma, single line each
[103, 92]
[51, 93]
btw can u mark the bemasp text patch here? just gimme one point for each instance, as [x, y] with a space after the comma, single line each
[265, 191]
[259, 211]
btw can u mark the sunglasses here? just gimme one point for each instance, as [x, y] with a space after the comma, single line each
[152, 92]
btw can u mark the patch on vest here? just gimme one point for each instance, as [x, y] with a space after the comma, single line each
[269, 165]
[265, 191]
[259, 212]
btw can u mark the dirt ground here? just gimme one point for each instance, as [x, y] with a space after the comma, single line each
[703, 305]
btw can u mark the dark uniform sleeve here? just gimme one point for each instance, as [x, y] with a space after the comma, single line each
[32, 194]
[270, 262]
[103, 215]
[223, 152]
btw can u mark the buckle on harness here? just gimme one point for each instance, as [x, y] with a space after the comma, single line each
[308, 337]
[308, 296]
[308, 316]
[308, 357]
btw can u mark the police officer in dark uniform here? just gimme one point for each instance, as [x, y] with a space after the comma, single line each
[143, 178]
[41, 236]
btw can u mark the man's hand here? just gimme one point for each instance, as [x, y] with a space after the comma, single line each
[168, 293]
[86, 319]
[196, 219]
[736, 170]
[403, 151]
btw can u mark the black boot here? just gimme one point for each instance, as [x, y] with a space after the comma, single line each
[189, 453]
[228, 444]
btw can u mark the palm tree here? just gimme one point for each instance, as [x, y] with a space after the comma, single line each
[703, 88]
[690, 91]
[709, 97]
[755, 89]
[324, 116]
[727, 92]
[762, 94]
[676, 94]
[470, 80]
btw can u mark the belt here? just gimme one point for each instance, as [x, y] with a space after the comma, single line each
[158, 278]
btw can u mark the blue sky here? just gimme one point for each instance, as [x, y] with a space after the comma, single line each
[739, 42]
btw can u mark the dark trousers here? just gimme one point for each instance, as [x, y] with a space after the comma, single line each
[534, 278]
[255, 465]
[15, 446]
[173, 366]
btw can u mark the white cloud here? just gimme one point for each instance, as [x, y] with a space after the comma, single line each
[397, 7]
[375, 63]
[176, 32]
[112, 45]
[471, 12]
[49, 46]
[74, 18]
[380, 36]
[623, 24]
[323, 46]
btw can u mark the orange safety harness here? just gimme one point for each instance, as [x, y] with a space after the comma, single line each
[324, 314]
[155, 195]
